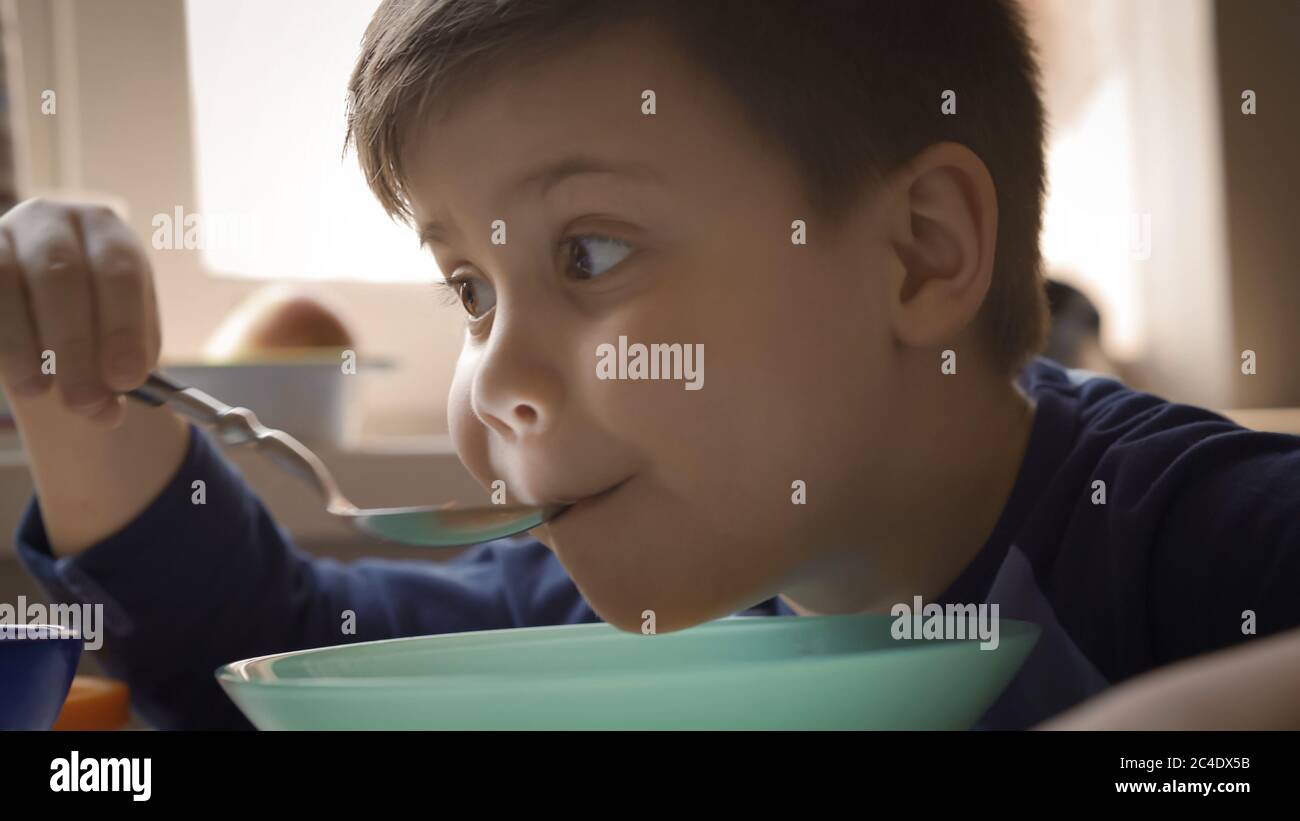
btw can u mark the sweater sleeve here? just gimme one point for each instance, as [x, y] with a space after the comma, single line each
[1226, 565]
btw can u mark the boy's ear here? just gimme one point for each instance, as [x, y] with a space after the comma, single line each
[943, 228]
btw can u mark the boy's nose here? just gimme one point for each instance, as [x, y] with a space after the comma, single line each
[524, 419]
[516, 393]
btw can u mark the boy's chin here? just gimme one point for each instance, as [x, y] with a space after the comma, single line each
[654, 574]
[647, 604]
[647, 622]
[543, 534]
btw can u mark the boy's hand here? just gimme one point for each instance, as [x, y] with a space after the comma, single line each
[77, 308]
[79, 325]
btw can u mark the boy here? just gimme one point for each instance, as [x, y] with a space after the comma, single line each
[778, 183]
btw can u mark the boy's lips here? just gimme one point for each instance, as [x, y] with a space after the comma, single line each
[585, 501]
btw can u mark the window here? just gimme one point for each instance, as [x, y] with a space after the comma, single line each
[276, 199]
[1135, 215]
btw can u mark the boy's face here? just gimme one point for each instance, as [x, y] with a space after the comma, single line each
[684, 236]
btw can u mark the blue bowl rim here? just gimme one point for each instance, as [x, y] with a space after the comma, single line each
[63, 633]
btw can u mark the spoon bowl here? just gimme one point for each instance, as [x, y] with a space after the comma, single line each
[447, 526]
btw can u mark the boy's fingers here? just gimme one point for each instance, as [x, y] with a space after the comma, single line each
[49, 255]
[118, 271]
[19, 355]
[111, 414]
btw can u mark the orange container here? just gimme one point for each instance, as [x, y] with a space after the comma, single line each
[95, 703]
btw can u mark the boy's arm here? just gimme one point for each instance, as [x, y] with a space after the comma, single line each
[194, 582]
[1222, 596]
[93, 481]
[1248, 687]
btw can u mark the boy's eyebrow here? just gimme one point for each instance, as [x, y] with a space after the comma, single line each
[550, 176]
[432, 231]
[577, 164]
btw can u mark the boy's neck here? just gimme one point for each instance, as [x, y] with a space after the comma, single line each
[932, 505]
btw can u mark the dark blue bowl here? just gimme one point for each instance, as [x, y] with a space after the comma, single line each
[37, 663]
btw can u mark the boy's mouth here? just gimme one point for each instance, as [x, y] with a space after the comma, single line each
[584, 502]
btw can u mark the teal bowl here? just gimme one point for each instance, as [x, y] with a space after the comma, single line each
[761, 672]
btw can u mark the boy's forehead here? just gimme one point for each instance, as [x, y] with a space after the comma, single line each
[576, 111]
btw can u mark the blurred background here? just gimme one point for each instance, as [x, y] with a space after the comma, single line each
[1170, 230]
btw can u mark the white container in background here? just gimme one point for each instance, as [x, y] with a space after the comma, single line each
[310, 399]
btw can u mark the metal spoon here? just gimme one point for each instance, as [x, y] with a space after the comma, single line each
[419, 526]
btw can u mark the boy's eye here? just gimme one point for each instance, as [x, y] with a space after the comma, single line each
[476, 296]
[585, 257]
[591, 255]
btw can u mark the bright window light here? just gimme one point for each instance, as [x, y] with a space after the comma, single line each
[276, 199]
[1093, 237]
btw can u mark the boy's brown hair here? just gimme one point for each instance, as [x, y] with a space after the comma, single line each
[848, 89]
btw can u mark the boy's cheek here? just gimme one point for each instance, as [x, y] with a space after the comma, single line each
[468, 435]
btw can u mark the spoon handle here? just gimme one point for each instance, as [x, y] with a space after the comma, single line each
[233, 426]
[160, 390]
[240, 426]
